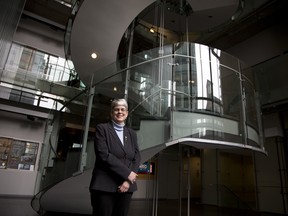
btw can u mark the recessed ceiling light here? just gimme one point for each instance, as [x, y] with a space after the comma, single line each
[94, 55]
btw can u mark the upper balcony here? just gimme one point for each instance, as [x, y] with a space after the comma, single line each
[37, 78]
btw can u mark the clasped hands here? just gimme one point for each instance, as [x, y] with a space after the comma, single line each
[124, 187]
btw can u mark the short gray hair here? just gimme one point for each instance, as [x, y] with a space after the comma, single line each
[119, 102]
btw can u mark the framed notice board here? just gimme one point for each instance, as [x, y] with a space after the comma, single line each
[18, 154]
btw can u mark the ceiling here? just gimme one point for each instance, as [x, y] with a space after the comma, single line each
[54, 13]
[96, 26]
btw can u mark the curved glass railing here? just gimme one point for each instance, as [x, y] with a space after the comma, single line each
[195, 91]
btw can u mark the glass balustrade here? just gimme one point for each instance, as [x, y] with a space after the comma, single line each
[37, 78]
[194, 91]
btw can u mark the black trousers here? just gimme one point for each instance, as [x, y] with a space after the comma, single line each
[110, 204]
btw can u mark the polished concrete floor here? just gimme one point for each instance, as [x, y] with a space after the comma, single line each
[20, 206]
[16, 206]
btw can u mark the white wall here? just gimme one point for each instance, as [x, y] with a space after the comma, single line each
[37, 35]
[272, 125]
[209, 174]
[263, 46]
[17, 126]
[270, 183]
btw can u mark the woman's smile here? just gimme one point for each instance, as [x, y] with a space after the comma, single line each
[119, 114]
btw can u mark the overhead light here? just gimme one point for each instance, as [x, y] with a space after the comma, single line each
[152, 30]
[192, 81]
[94, 55]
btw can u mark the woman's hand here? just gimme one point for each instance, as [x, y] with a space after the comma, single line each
[124, 187]
[132, 177]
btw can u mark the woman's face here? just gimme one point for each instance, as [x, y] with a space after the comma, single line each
[119, 114]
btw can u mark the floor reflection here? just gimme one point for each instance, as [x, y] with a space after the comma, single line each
[19, 206]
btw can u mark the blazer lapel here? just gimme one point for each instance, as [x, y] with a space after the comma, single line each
[126, 139]
[115, 136]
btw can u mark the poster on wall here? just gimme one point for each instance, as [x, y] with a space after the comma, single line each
[5, 147]
[28, 159]
[146, 168]
[18, 154]
[17, 150]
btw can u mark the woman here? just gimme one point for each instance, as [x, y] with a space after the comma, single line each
[117, 160]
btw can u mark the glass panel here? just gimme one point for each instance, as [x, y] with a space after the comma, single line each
[182, 77]
[229, 61]
[203, 75]
[208, 91]
[231, 91]
[250, 97]
[216, 92]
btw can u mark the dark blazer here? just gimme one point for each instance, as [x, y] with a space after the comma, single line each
[114, 162]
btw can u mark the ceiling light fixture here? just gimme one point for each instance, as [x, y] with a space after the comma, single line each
[152, 30]
[94, 55]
